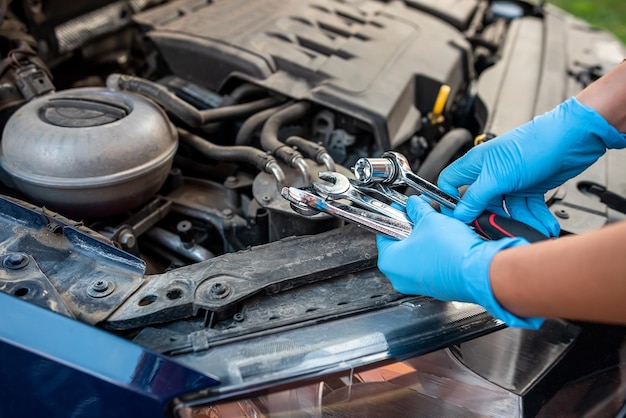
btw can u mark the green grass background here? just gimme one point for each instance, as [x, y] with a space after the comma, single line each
[605, 14]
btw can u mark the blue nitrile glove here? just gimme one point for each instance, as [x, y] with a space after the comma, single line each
[521, 165]
[445, 259]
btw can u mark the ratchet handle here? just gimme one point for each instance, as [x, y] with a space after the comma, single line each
[493, 226]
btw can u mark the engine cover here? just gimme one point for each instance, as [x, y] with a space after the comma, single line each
[370, 60]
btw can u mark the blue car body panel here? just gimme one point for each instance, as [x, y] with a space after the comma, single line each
[44, 353]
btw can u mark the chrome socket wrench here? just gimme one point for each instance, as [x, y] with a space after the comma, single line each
[340, 187]
[394, 168]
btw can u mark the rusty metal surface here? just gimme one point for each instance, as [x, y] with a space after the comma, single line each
[67, 264]
[220, 283]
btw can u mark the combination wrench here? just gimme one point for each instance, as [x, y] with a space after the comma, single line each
[394, 168]
[305, 201]
[339, 187]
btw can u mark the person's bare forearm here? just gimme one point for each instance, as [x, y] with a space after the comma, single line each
[607, 96]
[576, 277]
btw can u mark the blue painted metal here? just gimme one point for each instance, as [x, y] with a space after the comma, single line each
[54, 366]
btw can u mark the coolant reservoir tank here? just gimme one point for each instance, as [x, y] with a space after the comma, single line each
[88, 152]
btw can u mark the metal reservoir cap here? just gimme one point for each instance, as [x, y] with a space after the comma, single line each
[88, 152]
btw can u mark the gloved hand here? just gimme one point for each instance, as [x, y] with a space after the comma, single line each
[445, 259]
[520, 166]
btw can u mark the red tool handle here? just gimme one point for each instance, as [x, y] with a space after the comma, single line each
[494, 227]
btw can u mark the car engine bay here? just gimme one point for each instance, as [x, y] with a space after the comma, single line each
[145, 144]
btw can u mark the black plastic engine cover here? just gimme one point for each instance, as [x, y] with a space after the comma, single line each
[371, 60]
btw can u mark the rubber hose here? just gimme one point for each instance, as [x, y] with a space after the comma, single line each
[312, 150]
[246, 91]
[245, 154]
[244, 135]
[184, 111]
[269, 134]
[238, 110]
[251, 155]
[271, 143]
[444, 151]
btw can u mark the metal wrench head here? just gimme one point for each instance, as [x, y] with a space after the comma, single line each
[406, 176]
[374, 222]
[400, 162]
[381, 189]
[339, 184]
[371, 170]
[387, 169]
[343, 189]
[394, 168]
[299, 206]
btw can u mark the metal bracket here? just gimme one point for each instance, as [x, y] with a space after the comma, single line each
[67, 264]
[222, 282]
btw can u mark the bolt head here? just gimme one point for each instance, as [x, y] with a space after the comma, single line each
[562, 213]
[231, 181]
[184, 226]
[219, 291]
[127, 239]
[15, 261]
[101, 288]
